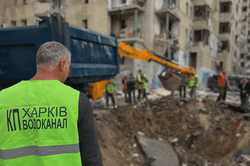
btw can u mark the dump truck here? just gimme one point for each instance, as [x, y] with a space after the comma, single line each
[94, 56]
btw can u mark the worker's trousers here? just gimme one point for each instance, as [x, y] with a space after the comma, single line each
[182, 90]
[108, 97]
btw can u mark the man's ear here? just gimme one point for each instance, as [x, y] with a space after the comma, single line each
[62, 64]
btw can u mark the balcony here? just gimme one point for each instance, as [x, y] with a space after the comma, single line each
[202, 3]
[170, 7]
[129, 36]
[201, 24]
[116, 7]
[162, 42]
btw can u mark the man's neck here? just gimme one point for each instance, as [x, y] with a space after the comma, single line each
[45, 75]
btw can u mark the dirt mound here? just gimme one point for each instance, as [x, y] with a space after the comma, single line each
[201, 133]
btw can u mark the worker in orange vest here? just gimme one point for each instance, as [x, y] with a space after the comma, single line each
[222, 82]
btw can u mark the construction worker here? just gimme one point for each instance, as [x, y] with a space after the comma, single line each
[44, 122]
[244, 92]
[145, 87]
[125, 87]
[110, 93]
[182, 87]
[222, 85]
[141, 82]
[193, 84]
[131, 85]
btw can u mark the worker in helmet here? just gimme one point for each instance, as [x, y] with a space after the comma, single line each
[222, 82]
[141, 82]
[192, 85]
[110, 93]
[45, 122]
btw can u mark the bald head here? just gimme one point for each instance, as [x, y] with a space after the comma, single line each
[53, 61]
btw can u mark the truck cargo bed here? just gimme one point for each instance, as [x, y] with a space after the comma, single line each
[94, 56]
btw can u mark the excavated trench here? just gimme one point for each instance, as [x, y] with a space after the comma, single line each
[202, 133]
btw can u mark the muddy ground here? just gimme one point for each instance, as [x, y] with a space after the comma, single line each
[202, 133]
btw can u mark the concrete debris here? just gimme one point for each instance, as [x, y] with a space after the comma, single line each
[159, 153]
[199, 138]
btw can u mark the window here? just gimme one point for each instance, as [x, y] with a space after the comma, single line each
[24, 22]
[225, 7]
[242, 64]
[201, 36]
[242, 56]
[123, 24]
[24, 2]
[201, 12]
[248, 58]
[13, 23]
[187, 8]
[124, 1]
[85, 23]
[225, 45]
[244, 8]
[225, 27]
[86, 1]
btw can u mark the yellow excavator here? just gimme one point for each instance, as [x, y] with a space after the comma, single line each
[170, 78]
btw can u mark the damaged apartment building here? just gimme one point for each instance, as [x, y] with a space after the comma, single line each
[241, 60]
[185, 31]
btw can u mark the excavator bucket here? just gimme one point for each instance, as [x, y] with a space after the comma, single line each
[170, 80]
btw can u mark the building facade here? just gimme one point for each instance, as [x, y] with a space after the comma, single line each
[79, 13]
[241, 60]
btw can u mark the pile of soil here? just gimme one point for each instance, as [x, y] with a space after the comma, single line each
[202, 133]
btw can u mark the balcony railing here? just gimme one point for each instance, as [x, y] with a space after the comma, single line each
[134, 4]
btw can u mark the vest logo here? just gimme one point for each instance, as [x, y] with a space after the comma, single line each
[37, 118]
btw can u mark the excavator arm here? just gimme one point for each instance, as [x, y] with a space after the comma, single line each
[128, 51]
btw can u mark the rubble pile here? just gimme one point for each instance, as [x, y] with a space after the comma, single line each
[202, 133]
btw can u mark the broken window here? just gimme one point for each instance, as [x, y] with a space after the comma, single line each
[123, 24]
[225, 45]
[193, 60]
[201, 36]
[225, 7]
[13, 23]
[201, 12]
[24, 22]
[244, 8]
[225, 27]
[242, 56]
[85, 23]
[242, 64]
[171, 3]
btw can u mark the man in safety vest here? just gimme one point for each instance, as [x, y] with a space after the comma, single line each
[142, 84]
[110, 93]
[44, 122]
[222, 82]
[193, 84]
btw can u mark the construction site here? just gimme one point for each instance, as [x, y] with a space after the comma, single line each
[176, 73]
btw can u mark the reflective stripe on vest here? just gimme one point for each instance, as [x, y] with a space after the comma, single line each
[38, 124]
[38, 151]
